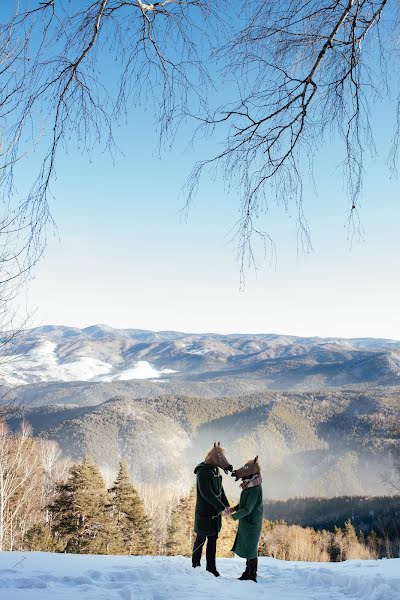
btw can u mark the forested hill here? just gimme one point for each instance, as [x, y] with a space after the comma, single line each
[321, 413]
[378, 513]
[326, 443]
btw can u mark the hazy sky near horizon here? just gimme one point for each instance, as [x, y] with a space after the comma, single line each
[124, 256]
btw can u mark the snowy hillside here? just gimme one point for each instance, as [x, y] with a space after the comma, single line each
[103, 354]
[39, 576]
[41, 363]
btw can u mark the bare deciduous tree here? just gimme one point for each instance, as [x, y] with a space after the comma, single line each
[55, 469]
[29, 471]
[19, 471]
[68, 71]
[159, 501]
[307, 71]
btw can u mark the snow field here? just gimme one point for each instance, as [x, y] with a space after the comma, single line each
[42, 364]
[41, 576]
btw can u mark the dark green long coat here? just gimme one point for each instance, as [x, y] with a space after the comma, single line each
[249, 512]
[210, 501]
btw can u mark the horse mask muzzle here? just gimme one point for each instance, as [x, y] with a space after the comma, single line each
[228, 468]
[233, 474]
[247, 471]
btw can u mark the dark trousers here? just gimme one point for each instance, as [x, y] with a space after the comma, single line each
[210, 550]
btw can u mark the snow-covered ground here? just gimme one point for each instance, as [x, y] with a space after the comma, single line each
[40, 576]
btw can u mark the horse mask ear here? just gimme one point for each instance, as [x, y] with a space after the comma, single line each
[256, 459]
[215, 444]
[219, 444]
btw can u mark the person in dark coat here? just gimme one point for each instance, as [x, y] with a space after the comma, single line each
[211, 502]
[249, 513]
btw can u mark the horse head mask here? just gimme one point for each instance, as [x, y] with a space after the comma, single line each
[216, 457]
[249, 469]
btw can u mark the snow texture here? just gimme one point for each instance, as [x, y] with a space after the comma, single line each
[41, 576]
[103, 354]
[41, 363]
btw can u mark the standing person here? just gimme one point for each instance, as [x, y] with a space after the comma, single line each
[249, 513]
[211, 501]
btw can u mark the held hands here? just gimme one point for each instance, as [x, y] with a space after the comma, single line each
[228, 512]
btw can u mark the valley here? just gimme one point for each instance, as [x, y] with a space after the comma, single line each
[314, 436]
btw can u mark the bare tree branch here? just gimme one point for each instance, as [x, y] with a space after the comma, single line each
[304, 74]
[56, 84]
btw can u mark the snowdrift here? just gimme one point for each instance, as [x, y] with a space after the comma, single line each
[41, 576]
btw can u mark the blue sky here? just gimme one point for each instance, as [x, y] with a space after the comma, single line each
[123, 255]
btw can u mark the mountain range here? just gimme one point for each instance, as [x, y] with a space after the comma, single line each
[103, 354]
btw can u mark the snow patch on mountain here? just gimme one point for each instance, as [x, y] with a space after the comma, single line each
[142, 370]
[40, 363]
[101, 353]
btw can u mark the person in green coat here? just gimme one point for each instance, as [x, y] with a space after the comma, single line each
[249, 513]
[211, 502]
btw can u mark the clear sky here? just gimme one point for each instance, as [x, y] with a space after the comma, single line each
[123, 256]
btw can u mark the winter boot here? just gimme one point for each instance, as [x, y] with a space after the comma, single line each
[253, 562]
[211, 568]
[245, 575]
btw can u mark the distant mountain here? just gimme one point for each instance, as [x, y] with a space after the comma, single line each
[102, 354]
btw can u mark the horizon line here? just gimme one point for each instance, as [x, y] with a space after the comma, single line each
[199, 333]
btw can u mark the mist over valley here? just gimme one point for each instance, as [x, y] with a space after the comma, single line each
[321, 413]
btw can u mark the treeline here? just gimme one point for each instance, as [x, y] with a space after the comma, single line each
[278, 539]
[378, 516]
[48, 505]
[292, 542]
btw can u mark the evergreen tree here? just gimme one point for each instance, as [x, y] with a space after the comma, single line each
[372, 541]
[180, 535]
[131, 521]
[40, 538]
[350, 533]
[351, 542]
[337, 546]
[82, 513]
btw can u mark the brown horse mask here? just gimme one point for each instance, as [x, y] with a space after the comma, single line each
[251, 468]
[216, 457]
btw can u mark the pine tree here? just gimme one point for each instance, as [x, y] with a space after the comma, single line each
[180, 536]
[41, 539]
[132, 523]
[372, 541]
[337, 547]
[82, 513]
[351, 543]
[350, 533]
